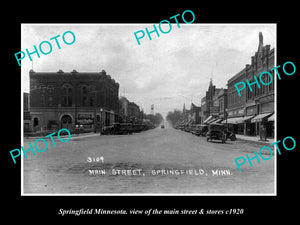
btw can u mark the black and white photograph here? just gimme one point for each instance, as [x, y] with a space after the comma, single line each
[170, 108]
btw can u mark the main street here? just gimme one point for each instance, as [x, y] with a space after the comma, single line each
[146, 163]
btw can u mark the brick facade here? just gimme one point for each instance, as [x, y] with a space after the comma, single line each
[259, 101]
[64, 99]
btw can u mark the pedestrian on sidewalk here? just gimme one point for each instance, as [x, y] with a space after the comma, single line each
[262, 132]
[77, 129]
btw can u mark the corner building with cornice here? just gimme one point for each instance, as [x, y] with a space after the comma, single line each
[66, 99]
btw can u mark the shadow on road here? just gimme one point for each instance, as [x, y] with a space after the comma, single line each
[219, 142]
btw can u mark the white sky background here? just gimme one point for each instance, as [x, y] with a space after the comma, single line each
[167, 71]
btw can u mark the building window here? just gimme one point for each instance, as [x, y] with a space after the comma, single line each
[92, 99]
[265, 79]
[50, 100]
[84, 101]
[247, 93]
[93, 94]
[35, 123]
[271, 86]
[67, 95]
[50, 91]
[84, 96]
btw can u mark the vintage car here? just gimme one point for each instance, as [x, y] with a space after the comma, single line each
[188, 128]
[202, 130]
[230, 135]
[195, 129]
[216, 131]
[118, 128]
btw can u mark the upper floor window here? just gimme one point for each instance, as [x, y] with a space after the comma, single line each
[271, 86]
[67, 95]
[84, 92]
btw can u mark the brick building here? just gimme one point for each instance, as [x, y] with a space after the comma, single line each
[253, 108]
[129, 111]
[195, 113]
[260, 102]
[63, 99]
[236, 104]
[26, 112]
[222, 98]
[210, 103]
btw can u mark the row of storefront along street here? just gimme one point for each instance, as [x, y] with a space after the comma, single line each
[64, 99]
[246, 114]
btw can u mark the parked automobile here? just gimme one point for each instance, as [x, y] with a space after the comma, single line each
[125, 128]
[216, 131]
[162, 126]
[137, 128]
[196, 129]
[118, 128]
[179, 126]
[230, 135]
[107, 130]
[202, 130]
[183, 126]
[188, 128]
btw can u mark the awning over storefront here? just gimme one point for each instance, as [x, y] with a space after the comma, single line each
[260, 117]
[190, 121]
[234, 120]
[208, 119]
[245, 118]
[271, 118]
[218, 121]
[212, 121]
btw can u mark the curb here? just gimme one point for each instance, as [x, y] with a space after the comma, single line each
[55, 137]
[255, 141]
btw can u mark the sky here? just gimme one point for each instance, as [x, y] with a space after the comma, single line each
[167, 71]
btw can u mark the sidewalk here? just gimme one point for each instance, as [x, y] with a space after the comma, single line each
[73, 136]
[254, 139]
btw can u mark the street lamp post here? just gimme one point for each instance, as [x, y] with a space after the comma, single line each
[226, 114]
[95, 121]
[101, 110]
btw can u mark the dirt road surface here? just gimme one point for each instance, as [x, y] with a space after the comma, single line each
[158, 161]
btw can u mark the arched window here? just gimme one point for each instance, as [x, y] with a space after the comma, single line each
[67, 95]
[271, 86]
[84, 92]
[66, 122]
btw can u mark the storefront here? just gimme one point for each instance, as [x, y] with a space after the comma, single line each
[262, 119]
[208, 119]
[234, 124]
[270, 126]
[86, 120]
[249, 128]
